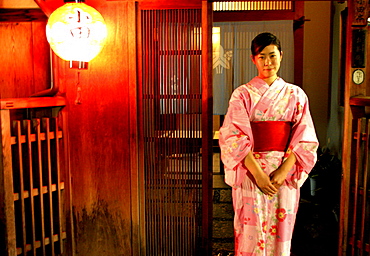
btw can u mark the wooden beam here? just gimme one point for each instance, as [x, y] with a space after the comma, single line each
[21, 15]
[48, 6]
[19, 4]
[164, 4]
[221, 16]
[281, 1]
[42, 102]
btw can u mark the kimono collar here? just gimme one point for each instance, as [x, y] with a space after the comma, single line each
[262, 86]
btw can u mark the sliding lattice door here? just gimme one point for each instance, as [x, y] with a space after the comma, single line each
[171, 94]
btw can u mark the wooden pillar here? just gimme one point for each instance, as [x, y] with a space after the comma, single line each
[355, 64]
[7, 224]
[207, 125]
[137, 240]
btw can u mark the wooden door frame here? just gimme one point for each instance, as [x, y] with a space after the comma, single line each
[351, 108]
[207, 125]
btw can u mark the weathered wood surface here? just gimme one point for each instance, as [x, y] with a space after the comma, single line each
[48, 6]
[101, 128]
[102, 145]
[354, 107]
[25, 61]
[19, 103]
[207, 126]
[19, 15]
[20, 4]
[7, 219]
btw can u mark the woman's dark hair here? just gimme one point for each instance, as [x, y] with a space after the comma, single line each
[262, 40]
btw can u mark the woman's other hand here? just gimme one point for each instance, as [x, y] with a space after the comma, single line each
[278, 177]
[265, 185]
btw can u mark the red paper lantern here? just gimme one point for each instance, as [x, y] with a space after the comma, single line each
[76, 32]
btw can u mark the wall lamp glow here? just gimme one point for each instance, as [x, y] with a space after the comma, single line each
[76, 32]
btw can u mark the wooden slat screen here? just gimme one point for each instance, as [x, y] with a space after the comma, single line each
[39, 178]
[253, 6]
[359, 198]
[171, 103]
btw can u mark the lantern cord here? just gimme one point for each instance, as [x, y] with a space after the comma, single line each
[78, 96]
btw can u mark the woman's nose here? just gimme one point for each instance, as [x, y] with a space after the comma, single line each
[267, 61]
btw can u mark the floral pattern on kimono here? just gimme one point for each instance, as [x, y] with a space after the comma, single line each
[263, 225]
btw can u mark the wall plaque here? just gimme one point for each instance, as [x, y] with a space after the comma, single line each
[358, 48]
[361, 12]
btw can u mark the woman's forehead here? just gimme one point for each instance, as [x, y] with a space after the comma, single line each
[270, 49]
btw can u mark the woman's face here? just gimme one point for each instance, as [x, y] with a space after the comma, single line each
[268, 62]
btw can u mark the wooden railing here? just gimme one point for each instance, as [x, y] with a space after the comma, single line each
[34, 176]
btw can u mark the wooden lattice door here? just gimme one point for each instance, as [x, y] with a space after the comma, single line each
[176, 194]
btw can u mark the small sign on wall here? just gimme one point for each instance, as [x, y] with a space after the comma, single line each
[358, 76]
[358, 48]
[361, 12]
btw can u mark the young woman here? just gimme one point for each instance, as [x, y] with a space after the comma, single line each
[268, 147]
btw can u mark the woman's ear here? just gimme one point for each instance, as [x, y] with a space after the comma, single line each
[252, 58]
[281, 55]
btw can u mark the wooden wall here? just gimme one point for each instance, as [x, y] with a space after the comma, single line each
[101, 127]
[316, 63]
[24, 58]
[102, 138]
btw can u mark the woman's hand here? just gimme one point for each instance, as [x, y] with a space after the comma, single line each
[265, 185]
[278, 177]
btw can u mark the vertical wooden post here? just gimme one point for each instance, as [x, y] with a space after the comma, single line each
[346, 152]
[357, 17]
[40, 184]
[140, 140]
[48, 169]
[298, 44]
[57, 203]
[207, 125]
[364, 182]
[20, 188]
[30, 185]
[136, 174]
[7, 223]
[68, 186]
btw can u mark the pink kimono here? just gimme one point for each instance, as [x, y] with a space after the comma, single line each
[263, 224]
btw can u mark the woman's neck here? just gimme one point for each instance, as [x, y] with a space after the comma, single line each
[269, 80]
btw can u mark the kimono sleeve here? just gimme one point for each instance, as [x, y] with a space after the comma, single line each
[303, 142]
[235, 140]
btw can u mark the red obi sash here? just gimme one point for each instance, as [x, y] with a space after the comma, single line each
[271, 135]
